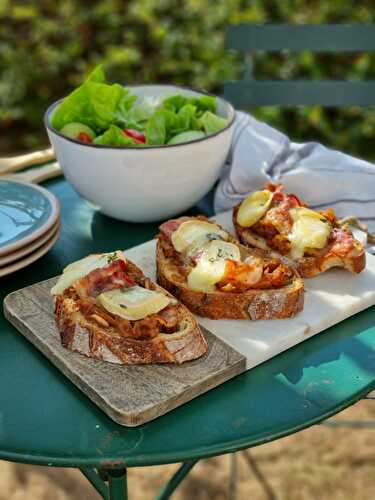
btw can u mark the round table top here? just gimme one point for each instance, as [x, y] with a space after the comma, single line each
[45, 419]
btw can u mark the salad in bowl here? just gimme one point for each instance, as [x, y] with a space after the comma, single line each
[112, 115]
[140, 153]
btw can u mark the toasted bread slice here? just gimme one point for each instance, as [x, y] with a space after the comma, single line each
[169, 336]
[254, 303]
[270, 235]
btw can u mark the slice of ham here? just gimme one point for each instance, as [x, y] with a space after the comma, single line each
[168, 317]
[277, 219]
[165, 321]
[170, 226]
[103, 279]
[343, 241]
[276, 225]
[275, 275]
[116, 275]
[146, 328]
[279, 195]
[241, 277]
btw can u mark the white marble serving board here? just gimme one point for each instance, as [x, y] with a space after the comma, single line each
[329, 299]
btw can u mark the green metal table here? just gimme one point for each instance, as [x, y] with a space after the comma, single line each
[46, 420]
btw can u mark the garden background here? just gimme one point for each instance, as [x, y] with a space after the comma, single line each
[47, 46]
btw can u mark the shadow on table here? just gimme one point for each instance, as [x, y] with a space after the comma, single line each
[110, 234]
[352, 339]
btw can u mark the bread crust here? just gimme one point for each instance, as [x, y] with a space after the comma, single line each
[307, 266]
[82, 335]
[253, 304]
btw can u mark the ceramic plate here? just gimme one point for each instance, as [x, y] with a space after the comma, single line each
[19, 264]
[26, 212]
[31, 247]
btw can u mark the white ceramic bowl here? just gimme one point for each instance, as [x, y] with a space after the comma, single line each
[149, 183]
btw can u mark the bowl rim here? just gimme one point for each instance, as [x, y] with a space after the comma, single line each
[232, 110]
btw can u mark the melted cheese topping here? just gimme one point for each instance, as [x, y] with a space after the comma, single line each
[134, 303]
[192, 231]
[253, 208]
[310, 230]
[211, 265]
[77, 270]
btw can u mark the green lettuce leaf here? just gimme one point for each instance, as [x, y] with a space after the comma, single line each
[156, 127]
[202, 104]
[114, 136]
[212, 123]
[175, 102]
[95, 104]
[137, 116]
[165, 124]
[124, 107]
[144, 110]
[186, 119]
[97, 75]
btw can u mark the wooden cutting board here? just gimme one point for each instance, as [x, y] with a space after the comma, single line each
[130, 395]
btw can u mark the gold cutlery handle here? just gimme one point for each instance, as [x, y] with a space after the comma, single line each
[37, 175]
[15, 163]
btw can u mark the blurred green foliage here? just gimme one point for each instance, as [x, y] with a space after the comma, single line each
[47, 46]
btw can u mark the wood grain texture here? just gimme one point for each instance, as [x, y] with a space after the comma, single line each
[130, 395]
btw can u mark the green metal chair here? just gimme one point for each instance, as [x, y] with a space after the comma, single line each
[250, 38]
[248, 92]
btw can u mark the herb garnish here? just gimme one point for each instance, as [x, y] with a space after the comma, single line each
[221, 254]
[112, 257]
[213, 236]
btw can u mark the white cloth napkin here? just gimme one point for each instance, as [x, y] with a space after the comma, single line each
[320, 176]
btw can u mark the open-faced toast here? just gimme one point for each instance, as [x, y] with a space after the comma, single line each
[282, 225]
[215, 276]
[106, 308]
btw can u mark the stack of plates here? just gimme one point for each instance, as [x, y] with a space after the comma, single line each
[29, 224]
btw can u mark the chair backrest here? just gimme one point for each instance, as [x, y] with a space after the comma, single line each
[249, 38]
